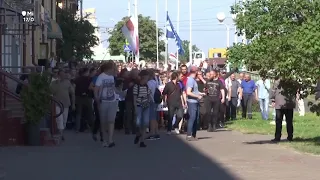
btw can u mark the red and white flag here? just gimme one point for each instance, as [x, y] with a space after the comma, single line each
[130, 31]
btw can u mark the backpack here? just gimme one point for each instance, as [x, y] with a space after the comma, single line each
[157, 96]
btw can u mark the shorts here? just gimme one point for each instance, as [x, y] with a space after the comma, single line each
[153, 111]
[108, 111]
[143, 118]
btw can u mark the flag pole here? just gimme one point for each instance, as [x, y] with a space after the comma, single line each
[178, 28]
[190, 29]
[157, 33]
[166, 41]
[137, 23]
[129, 14]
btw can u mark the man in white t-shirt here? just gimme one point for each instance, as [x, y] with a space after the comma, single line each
[105, 96]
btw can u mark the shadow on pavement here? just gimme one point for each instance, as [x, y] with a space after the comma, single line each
[315, 140]
[80, 158]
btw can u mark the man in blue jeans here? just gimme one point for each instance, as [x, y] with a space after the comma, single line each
[193, 97]
[263, 88]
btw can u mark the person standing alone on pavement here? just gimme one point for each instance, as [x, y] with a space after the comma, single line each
[284, 103]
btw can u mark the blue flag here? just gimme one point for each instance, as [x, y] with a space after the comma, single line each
[172, 34]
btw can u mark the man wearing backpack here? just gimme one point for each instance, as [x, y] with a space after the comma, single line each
[175, 102]
[156, 94]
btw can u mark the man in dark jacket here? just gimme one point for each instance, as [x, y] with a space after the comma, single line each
[284, 103]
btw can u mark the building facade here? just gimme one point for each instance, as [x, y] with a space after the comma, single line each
[217, 53]
[27, 43]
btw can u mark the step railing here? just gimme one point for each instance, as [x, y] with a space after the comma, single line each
[7, 91]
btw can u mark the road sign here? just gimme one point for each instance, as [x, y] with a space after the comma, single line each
[126, 48]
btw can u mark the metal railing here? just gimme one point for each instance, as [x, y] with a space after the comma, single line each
[9, 82]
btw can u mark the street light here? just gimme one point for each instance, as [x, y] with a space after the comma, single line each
[221, 17]
[234, 17]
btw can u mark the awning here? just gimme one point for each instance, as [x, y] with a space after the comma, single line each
[53, 30]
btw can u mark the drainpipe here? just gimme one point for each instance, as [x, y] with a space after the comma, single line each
[24, 46]
[32, 47]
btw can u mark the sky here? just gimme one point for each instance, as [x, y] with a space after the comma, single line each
[206, 30]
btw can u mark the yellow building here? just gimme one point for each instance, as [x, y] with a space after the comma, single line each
[217, 52]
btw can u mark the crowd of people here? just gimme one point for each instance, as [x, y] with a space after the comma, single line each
[113, 96]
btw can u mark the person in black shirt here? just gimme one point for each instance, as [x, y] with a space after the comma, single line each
[215, 96]
[174, 100]
[83, 100]
[201, 81]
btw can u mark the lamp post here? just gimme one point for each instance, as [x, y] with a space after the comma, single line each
[221, 17]
[234, 17]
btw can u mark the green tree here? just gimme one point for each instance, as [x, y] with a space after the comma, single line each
[185, 45]
[78, 36]
[284, 38]
[147, 37]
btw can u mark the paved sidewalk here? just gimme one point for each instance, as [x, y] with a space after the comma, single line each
[223, 155]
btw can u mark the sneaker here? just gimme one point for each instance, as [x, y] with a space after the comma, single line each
[275, 140]
[151, 138]
[142, 144]
[168, 132]
[136, 139]
[191, 138]
[94, 137]
[176, 131]
[111, 145]
[104, 144]
[290, 139]
[157, 136]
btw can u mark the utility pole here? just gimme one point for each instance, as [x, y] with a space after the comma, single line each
[129, 8]
[157, 33]
[137, 23]
[178, 29]
[190, 29]
[165, 29]
[244, 38]
[81, 9]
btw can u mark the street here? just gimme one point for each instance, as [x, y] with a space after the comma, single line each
[220, 155]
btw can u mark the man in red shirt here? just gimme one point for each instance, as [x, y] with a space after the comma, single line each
[185, 74]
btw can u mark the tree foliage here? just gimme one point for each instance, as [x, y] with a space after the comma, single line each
[185, 46]
[284, 38]
[78, 36]
[147, 37]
